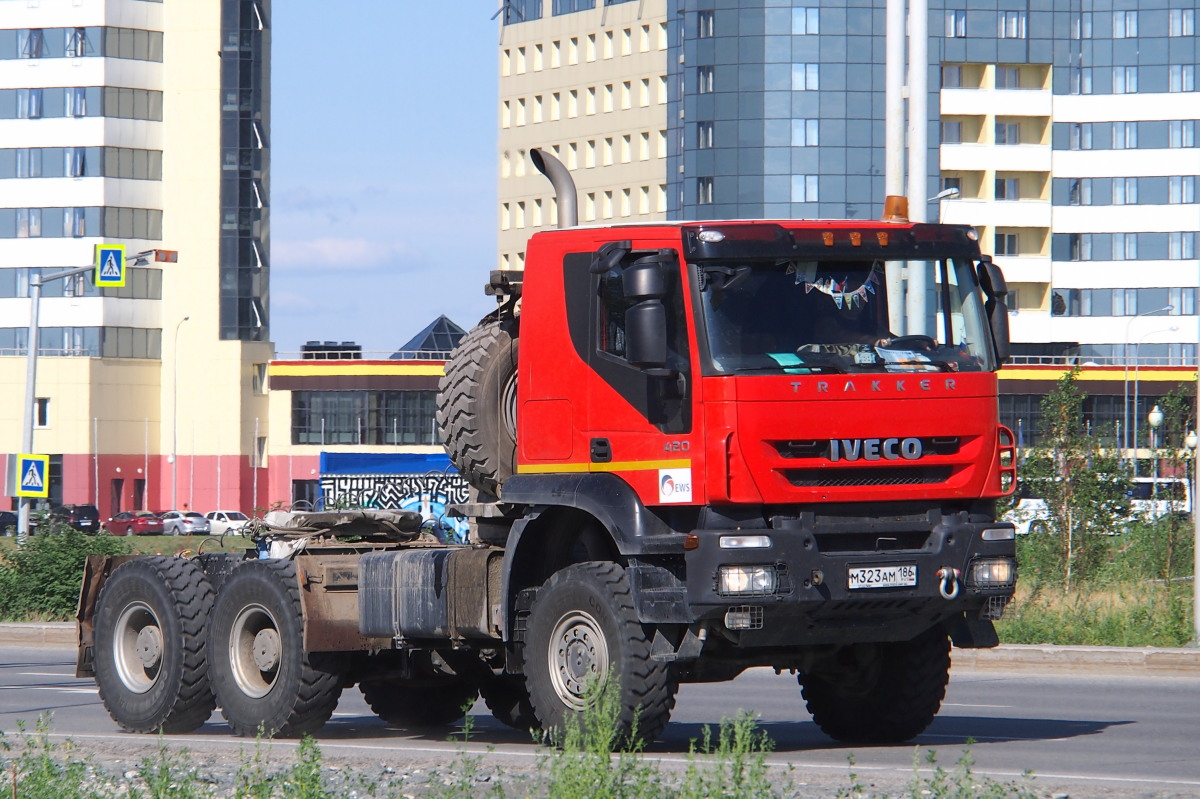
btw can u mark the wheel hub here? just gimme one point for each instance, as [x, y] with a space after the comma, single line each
[149, 646]
[266, 649]
[578, 658]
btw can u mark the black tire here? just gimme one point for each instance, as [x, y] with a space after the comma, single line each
[262, 677]
[888, 694]
[150, 645]
[421, 705]
[508, 700]
[477, 404]
[583, 628]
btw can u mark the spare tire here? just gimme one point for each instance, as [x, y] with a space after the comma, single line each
[477, 405]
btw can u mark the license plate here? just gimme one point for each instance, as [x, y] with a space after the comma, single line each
[903, 576]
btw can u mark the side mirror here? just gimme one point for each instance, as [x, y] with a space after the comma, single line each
[646, 334]
[995, 287]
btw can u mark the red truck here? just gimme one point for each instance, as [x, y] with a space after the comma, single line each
[694, 448]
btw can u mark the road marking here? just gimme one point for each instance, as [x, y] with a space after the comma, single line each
[45, 674]
[960, 704]
[49, 688]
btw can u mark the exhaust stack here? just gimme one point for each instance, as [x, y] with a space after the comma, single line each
[564, 186]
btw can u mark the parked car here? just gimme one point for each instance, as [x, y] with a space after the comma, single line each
[82, 517]
[135, 522]
[184, 522]
[8, 522]
[227, 521]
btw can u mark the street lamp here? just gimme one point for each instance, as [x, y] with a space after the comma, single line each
[1191, 442]
[1155, 418]
[175, 415]
[1125, 416]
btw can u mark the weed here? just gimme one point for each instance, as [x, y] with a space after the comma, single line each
[736, 768]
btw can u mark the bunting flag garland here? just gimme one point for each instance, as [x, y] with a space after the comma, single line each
[843, 296]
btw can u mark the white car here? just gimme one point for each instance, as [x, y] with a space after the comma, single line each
[184, 522]
[227, 521]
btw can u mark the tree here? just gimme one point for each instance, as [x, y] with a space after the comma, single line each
[1085, 488]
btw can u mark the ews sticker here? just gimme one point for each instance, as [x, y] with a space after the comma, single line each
[674, 485]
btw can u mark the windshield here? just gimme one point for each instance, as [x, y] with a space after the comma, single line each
[799, 317]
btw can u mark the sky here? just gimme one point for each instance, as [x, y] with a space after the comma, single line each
[383, 168]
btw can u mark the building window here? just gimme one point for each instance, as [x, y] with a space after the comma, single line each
[1125, 245]
[952, 183]
[1125, 24]
[1081, 191]
[1125, 135]
[1181, 189]
[41, 412]
[1181, 22]
[805, 132]
[952, 133]
[1013, 24]
[1080, 246]
[1182, 78]
[1081, 26]
[1081, 136]
[1006, 244]
[378, 418]
[571, 6]
[806, 21]
[1125, 191]
[1081, 80]
[1181, 133]
[806, 77]
[705, 79]
[704, 191]
[1008, 78]
[31, 43]
[516, 11]
[1125, 80]
[1007, 189]
[1008, 133]
[704, 24]
[1181, 246]
[804, 189]
[956, 24]
[704, 135]
[951, 76]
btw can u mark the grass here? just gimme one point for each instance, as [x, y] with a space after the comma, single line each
[734, 766]
[1115, 614]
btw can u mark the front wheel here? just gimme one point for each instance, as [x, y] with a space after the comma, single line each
[880, 693]
[263, 678]
[150, 645]
[584, 633]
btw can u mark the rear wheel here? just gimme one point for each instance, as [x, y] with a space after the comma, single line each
[477, 405]
[584, 633]
[881, 693]
[150, 645]
[425, 704]
[262, 677]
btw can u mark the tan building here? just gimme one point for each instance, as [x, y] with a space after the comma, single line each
[589, 86]
[118, 125]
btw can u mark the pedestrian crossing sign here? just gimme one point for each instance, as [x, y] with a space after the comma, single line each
[110, 265]
[33, 476]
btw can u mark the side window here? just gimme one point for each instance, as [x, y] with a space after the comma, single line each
[613, 305]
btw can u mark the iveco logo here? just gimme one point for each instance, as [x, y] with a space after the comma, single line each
[873, 449]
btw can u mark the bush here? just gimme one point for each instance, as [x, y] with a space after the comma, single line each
[42, 579]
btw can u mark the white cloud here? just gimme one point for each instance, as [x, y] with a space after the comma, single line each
[342, 253]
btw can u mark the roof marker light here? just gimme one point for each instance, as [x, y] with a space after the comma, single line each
[711, 236]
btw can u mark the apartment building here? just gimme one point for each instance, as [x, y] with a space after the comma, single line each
[1067, 128]
[146, 124]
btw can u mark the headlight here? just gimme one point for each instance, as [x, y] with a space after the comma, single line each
[746, 580]
[992, 573]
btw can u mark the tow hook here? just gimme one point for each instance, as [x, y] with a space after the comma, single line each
[948, 582]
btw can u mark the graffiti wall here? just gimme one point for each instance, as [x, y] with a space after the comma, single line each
[427, 484]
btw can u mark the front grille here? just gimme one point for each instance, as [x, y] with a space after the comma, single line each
[819, 447]
[884, 476]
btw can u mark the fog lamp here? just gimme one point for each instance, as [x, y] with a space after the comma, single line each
[992, 573]
[744, 617]
[999, 534]
[752, 580]
[745, 541]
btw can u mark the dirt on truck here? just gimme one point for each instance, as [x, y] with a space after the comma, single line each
[693, 448]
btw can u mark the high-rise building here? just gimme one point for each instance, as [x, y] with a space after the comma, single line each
[141, 123]
[1068, 130]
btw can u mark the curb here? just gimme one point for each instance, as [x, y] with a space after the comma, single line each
[1040, 657]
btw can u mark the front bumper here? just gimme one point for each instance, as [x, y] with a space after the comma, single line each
[812, 601]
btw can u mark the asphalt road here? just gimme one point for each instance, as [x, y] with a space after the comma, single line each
[1083, 733]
